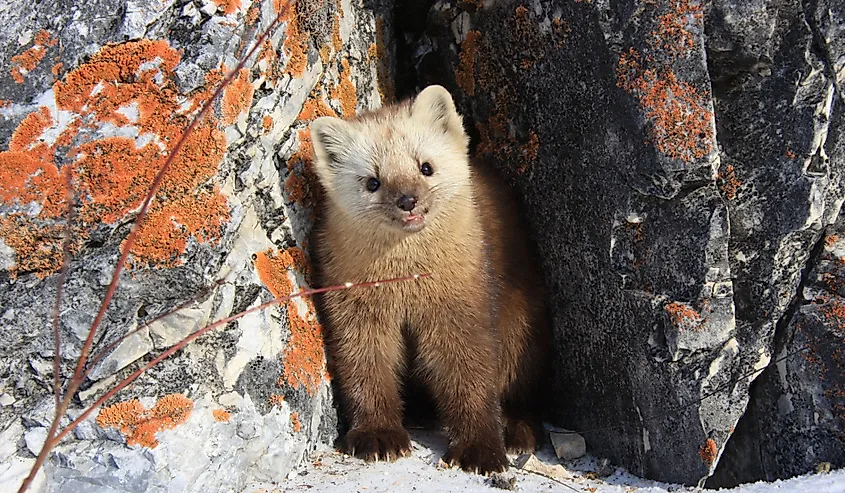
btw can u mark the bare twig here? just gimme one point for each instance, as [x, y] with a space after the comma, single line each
[53, 438]
[220, 323]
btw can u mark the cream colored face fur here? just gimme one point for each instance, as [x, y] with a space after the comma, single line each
[390, 148]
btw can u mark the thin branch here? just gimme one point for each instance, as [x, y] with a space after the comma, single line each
[68, 232]
[53, 439]
[220, 323]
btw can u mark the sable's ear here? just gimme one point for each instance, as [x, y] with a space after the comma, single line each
[434, 105]
[332, 138]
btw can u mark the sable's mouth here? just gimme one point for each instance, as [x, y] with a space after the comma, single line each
[413, 222]
[413, 219]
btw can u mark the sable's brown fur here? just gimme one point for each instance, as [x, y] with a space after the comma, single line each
[476, 334]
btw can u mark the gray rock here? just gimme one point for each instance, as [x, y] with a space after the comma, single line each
[568, 446]
[173, 328]
[783, 121]
[130, 349]
[35, 438]
[530, 463]
[795, 420]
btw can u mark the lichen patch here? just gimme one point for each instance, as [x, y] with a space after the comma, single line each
[677, 115]
[683, 317]
[221, 415]
[130, 86]
[303, 358]
[237, 97]
[26, 62]
[140, 425]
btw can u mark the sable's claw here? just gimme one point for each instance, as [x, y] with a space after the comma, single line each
[374, 445]
[479, 458]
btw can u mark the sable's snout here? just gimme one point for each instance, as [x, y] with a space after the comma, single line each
[407, 203]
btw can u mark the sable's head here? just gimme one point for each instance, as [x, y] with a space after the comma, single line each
[398, 167]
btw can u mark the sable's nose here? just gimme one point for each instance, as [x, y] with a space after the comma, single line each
[407, 203]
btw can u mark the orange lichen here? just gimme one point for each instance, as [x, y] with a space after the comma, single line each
[36, 245]
[305, 151]
[300, 261]
[272, 268]
[229, 6]
[325, 53]
[267, 123]
[682, 316]
[252, 14]
[304, 188]
[728, 183]
[237, 97]
[43, 38]
[294, 420]
[831, 240]
[57, 69]
[345, 91]
[675, 110]
[708, 452]
[673, 32]
[834, 312]
[465, 73]
[315, 108]
[304, 359]
[29, 59]
[272, 70]
[130, 84]
[337, 41]
[139, 425]
[295, 46]
[221, 415]
[295, 187]
[789, 154]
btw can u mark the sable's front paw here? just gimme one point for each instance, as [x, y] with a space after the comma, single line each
[370, 445]
[480, 457]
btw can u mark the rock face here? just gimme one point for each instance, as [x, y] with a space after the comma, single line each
[680, 161]
[97, 93]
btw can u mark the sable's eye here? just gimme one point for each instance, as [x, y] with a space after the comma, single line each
[426, 169]
[373, 184]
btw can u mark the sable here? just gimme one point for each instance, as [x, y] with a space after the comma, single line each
[401, 195]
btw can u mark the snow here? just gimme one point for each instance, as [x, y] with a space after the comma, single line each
[328, 471]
